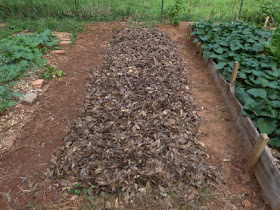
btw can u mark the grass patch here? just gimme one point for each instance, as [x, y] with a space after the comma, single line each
[145, 10]
[66, 25]
[64, 15]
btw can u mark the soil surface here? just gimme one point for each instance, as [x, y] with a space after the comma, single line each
[22, 169]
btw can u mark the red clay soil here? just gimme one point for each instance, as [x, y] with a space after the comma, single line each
[23, 182]
[240, 189]
[25, 164]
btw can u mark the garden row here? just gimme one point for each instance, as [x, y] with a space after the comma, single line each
[20, 56]
[224, 45]
[257, 85]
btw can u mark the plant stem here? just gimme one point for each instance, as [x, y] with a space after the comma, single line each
[162, 6]
[240, 10]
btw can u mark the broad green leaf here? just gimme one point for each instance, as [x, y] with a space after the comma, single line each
[257, 92]
[219, 50]
[258, 47]
[266, 125]
[220, 65]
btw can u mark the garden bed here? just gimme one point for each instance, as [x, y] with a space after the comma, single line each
[138, 127]
[266, 170]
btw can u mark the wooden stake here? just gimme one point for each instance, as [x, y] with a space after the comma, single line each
[257, 151]
[208, 18]
[234, 73]
[266, 21]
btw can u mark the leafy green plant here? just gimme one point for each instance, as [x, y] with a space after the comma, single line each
[51, 72]
[271, 8]
[20, 55]
[174, 12]
[274, 45]
[79, 189]
[257, 85]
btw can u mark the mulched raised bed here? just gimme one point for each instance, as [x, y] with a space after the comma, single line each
[138, 127]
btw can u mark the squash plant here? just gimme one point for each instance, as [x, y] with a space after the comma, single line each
[258, 82]
[19, 55]
[274, 45]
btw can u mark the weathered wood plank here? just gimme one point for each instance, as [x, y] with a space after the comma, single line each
[257, 151]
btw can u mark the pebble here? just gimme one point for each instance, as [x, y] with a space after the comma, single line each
[247, 204]
[231, 206]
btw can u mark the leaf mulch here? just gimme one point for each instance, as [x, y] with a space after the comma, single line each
[138, 128]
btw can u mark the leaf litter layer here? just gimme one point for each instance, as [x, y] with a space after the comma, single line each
[138, 128]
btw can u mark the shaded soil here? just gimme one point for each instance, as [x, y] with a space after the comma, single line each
[22, 178]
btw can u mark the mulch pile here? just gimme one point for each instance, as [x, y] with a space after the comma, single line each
[138, 127]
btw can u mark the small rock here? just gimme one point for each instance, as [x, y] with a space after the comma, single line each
[29, 98]
[65, 43]
[38, 83]
[247, 204]
[231, 206]
[36, 194]
[65, 39]
[59, 52]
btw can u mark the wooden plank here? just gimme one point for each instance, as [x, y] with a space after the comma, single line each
[268, 177]
[257, 151]
[234, 73]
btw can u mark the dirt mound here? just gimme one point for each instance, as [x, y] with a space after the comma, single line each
[138, 127]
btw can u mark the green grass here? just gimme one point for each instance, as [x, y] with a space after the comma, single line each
[107, 10]
[67, 25]
[64, 15]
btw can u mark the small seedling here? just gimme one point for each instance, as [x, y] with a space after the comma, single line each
[78, 189]
[51, 72]
[31, 206]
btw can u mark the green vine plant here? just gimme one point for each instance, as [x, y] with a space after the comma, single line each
[258, 81]
[20, 56]
[175, 11]
[273, 47]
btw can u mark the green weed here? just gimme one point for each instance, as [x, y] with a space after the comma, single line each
[204, 195]
[51, 72]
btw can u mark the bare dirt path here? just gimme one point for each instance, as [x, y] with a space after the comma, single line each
[27, 161]
[240, 189]
[22, 168]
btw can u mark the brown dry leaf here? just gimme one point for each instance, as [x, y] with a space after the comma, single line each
[138, 127]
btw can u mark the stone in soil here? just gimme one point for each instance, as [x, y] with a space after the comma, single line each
[38, 83]
[29, 98]
[65, 44]
[247, 204]
[65, 39]
[59, 52]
